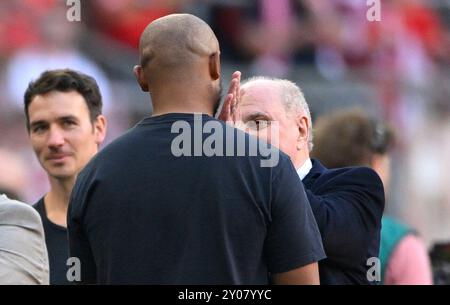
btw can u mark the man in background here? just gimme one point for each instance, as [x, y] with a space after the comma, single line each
[65, 125]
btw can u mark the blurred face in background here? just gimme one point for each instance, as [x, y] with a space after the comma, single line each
[62, 134]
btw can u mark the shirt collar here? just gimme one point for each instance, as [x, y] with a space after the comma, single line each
[304, 169]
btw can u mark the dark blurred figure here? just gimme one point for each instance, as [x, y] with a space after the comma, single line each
[272, 35]
[440, 259]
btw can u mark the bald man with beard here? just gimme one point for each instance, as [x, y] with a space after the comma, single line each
[142, 213]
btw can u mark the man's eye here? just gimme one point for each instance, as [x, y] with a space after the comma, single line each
[258, 124]
[262, 124]
[38, 129]
[68, 123]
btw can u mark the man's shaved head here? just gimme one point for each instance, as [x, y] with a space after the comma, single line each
[180, 65]
[175, 41]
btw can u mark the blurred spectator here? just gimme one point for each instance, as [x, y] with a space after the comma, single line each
[425, 176]
[12, 174]
[342, 35]
[17, 24]
[272, 34]
[351, 138]
[124, 20]
[406, 46]
[57, 49]
[440, 259]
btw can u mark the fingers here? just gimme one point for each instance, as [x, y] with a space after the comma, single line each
[238, 88]
[228, 103]
[236, 93]
[231, 99]
[234, 78]
[225, 113]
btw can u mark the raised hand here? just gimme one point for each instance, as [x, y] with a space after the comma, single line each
[227, 114]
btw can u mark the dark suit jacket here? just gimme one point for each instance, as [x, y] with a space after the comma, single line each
[348, 204]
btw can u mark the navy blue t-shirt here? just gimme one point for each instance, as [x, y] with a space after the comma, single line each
[142, 213]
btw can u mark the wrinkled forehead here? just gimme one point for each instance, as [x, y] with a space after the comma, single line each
[261, 97]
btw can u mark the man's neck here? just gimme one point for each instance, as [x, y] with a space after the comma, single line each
[181, 109]
[57, 200]
[174, 100]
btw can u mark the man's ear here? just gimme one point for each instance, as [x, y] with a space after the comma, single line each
[140, 77]
[303, 124]
[214, 65]
[100, 125]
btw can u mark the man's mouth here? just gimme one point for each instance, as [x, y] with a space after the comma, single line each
[57, 157]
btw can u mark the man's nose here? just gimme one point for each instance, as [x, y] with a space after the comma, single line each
[56, 137]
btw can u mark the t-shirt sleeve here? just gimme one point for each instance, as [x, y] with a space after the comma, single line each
[293, 238]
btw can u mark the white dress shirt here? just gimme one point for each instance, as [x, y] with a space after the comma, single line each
[304, 169]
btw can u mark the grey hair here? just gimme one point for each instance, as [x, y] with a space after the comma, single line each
[292, 98]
